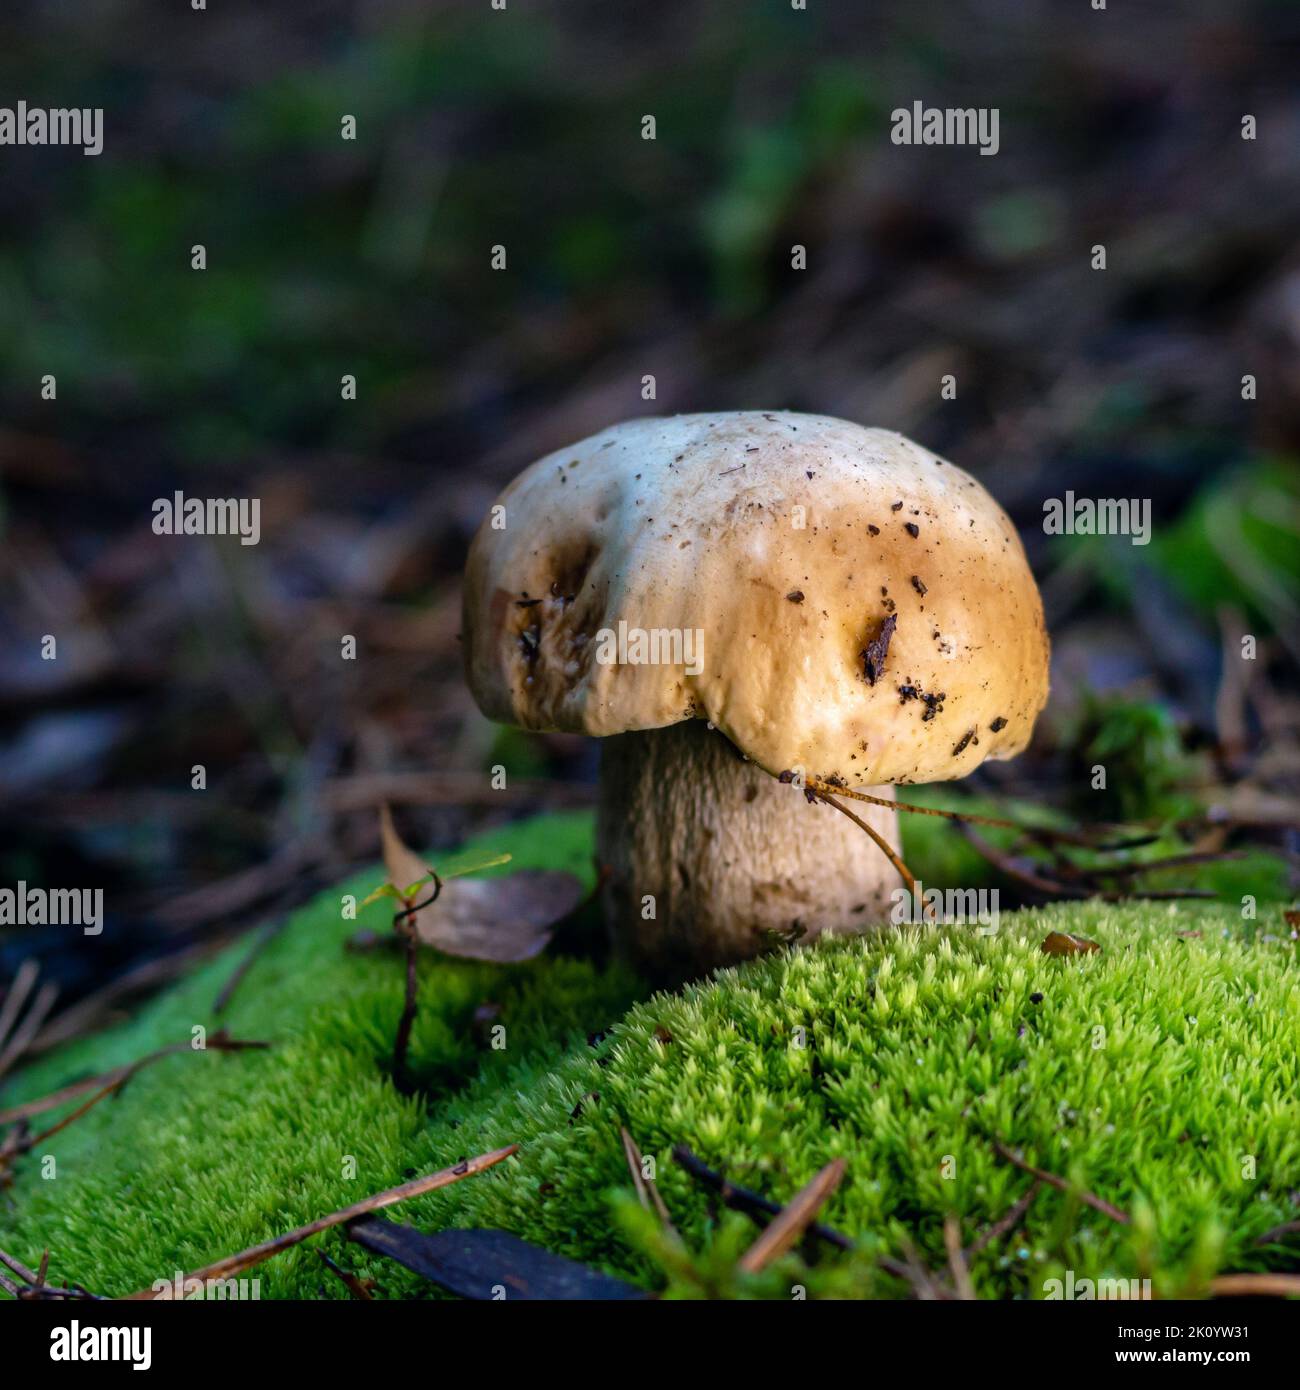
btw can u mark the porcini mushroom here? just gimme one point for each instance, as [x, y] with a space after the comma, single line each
[728, 598]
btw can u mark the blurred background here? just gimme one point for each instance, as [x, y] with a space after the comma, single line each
[626, 257]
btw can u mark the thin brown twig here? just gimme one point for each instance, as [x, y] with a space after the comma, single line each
[255, 1254]
[823, 790]
[10, 1145]
[1287, 1228]
[33, 1285]
[744, 1199]
[34, 1282]
[269, 931]
[1004, 1225]
[794, 1219]
[20, 987]
[21, 1038]
[1050, 838]
[957, 1258]
[1053, 888]
[89, 1013]
[1061, 1185]
[287, 866]
[357, 1287]
[72, 1293]
[815, 784]
[372, 790]
[925, 1285]
[28, 1276]
[1012, 869]
[402, 1042]
[404, 922]
[914, 1275]
[28, 1109]
[1255, 1286]
[410, 1004]
[755, 1205]
[881, 843]
[29, 1143]
[1172, 861]
[112, 1082]
[647, 1190]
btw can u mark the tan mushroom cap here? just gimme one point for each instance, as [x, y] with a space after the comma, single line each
[787, 542]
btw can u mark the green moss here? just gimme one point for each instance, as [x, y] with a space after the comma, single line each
[1154, 1074]
[203, 1154]
[1150, 1074]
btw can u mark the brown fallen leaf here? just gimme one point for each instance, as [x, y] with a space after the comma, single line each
[405, 868]
[1064, 943]
[499, 919]
[495, 919]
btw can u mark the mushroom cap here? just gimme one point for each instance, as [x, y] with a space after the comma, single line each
[864, 609]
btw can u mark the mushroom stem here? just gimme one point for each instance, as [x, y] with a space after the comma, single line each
[711, 861]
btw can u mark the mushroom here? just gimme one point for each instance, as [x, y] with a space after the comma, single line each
[729, 599]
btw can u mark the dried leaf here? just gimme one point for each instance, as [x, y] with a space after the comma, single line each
[1064, 943]
[500, 919]
[405, 868]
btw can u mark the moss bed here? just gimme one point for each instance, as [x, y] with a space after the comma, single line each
[1160, 1074]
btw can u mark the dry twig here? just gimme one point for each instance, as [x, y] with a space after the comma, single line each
[255, 1254]
[359, 1288]
[957, 1258]
[1005, 1224]
[794, 1219]
[1287, 1228]
[1088, 1198]
[647, 1191]
[1255, 1286]
[881, 843]
[743, 1199]
[270, 930]
[109, 1083]
[815, 784]
[16, 1036]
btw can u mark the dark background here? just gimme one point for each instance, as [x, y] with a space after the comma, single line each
[626, 258]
